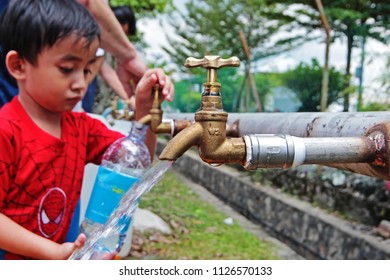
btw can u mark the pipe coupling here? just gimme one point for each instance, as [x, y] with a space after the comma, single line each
[171, 124]
[273, 151]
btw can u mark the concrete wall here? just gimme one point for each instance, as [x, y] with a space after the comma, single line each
[358, 197]
[310, 231]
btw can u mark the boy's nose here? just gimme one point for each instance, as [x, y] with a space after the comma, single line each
[79, 83]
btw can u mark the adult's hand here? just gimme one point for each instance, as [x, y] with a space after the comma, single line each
[130, 67]
[130, 72]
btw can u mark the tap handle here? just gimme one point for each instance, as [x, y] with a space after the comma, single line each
[157, 99]
[212, 61]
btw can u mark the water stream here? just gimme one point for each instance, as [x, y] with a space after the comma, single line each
[125, 210]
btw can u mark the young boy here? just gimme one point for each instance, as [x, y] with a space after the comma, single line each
[50, 46]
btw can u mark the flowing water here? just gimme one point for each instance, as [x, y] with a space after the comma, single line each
[109, 232]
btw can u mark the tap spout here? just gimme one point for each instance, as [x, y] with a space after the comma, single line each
[184, 140]
[231, 150]
[212, 151]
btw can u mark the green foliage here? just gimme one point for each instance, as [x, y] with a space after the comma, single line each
[200, 231]
[353, 20]
[375, 107]
[145, 8]
[213, 27]
[188, 91]
[384, 78]
[346, 18]
[265, 82]
[305, 81]
[230, 87]
[188, 100]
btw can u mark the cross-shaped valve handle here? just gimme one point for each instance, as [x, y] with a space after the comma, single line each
[211, 63]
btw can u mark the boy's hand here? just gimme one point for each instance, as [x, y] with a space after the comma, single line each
[145, 86]
[66, 249]
[144, 99]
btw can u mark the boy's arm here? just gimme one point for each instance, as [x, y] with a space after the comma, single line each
[18, 240]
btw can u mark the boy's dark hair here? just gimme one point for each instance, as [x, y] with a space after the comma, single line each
[29, 26]
[125, 14]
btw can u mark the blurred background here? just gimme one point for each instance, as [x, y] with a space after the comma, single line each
[285, 48]
[296, 56]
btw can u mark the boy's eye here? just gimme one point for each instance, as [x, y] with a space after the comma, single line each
[87, 71]
[66, 70]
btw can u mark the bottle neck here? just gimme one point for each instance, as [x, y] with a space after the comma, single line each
[137, 131]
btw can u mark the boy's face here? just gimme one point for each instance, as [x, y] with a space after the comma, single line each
[61, 75]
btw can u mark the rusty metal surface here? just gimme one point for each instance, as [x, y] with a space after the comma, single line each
[179, 125]
[326, 150]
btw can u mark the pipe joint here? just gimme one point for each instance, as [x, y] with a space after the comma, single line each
[273, 151]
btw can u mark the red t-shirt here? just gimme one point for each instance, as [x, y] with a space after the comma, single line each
[41, 175]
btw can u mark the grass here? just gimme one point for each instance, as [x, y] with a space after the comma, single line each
[199, 230]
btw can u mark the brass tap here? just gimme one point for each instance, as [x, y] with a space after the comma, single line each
[114, 107]
[154, 118]
[126, 115]
[208, 132]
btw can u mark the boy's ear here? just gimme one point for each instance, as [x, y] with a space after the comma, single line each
[15, 65]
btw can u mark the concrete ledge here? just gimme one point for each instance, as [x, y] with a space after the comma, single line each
[308, 230]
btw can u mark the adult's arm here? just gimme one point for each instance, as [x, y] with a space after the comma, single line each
[114, 40]
[111, 78]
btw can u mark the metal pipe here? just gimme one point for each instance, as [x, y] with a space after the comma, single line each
[373, 125]
[324, 124]
[285, 151]
[310, 124]
[331, 150]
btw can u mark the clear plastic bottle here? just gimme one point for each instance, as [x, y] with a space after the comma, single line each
[123, 163]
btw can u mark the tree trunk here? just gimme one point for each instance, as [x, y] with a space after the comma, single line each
[251, 81]
[325, 72]
[348, 71]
